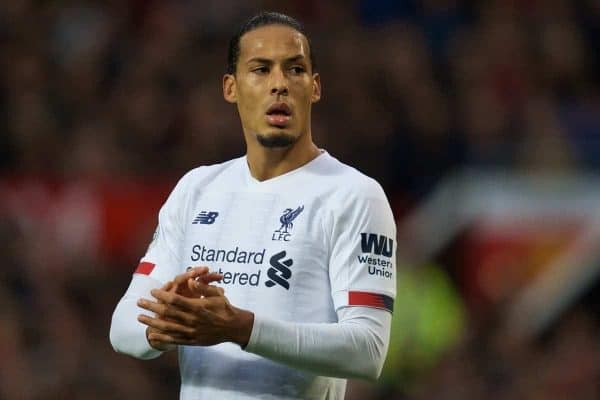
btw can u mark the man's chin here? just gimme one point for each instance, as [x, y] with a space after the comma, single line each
[276, 140]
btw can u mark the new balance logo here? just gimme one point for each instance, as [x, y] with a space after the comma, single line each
[376, 244]
[206, 217]
[279, 273]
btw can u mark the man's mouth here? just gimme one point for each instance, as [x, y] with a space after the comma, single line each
[279, 115]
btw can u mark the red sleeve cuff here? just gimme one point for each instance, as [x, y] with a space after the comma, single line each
[367, 299]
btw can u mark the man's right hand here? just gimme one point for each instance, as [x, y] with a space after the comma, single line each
[185, 284]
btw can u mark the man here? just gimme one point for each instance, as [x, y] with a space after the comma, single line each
[301, 244]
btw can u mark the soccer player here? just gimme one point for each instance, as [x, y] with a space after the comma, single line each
[302, 247]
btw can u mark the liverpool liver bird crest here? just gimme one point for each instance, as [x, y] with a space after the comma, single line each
[286, 219]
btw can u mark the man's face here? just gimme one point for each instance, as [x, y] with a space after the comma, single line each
[274, 86]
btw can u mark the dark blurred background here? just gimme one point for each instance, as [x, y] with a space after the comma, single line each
[480, 118]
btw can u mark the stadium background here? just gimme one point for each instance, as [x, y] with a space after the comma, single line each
[480, 118]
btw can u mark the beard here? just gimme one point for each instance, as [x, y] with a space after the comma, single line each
[277, 140]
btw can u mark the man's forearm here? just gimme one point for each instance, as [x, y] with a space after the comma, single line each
[355, 347]
[127, 335]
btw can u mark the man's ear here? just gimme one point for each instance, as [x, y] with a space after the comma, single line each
[229, 88]
[316, 92]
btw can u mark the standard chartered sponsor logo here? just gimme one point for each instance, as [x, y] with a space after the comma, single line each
[240, 278]
[278, 274]
[202, 253]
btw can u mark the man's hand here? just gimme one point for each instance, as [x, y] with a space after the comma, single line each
[185, 284]
[158, 345]
[203, 318]
[182, 284]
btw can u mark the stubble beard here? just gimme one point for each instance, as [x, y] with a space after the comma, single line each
[279, 140]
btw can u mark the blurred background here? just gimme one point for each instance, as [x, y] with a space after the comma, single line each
[480, 118]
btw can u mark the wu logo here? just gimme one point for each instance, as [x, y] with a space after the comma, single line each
[206, 217]
[279, 273]
[376, 244]
[286, 220]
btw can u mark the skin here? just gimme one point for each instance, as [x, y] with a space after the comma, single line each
[190, 311]
[273, 67]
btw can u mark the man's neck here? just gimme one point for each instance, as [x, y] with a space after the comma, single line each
[266, 163]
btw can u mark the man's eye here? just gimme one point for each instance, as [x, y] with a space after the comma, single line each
[297, 69]
[260, 70]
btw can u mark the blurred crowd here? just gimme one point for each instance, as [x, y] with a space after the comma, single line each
[92, 90]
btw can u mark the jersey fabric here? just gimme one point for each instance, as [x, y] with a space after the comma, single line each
[298, 247]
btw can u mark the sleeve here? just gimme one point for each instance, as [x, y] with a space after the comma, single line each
[363, 281]
[157, 266]
[353, 347]
[362, 266]
[162, 259]
[128, 335]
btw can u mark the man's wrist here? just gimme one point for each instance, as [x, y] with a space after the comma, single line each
[243, 327]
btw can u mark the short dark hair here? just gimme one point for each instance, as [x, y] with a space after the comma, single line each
[259, 20]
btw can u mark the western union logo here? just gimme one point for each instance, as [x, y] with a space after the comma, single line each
[376, 244]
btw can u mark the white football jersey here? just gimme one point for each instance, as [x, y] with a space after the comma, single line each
[297, 247]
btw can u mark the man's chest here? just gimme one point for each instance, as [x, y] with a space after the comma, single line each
[256, 219]
[269, 247]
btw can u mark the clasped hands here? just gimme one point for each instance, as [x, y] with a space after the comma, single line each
[190, 311]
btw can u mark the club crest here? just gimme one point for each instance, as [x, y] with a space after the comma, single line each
[287, 224]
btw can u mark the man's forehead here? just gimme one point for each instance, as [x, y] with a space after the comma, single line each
[273, 41]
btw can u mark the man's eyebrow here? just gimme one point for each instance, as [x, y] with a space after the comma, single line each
[295, 58]
[260, 60]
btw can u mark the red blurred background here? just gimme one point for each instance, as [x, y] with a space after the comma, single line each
[480, 119]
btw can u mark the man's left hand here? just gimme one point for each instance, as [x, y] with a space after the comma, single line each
[203, 320]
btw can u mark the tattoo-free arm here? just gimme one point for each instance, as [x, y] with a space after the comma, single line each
[354, 347]
[127, 335]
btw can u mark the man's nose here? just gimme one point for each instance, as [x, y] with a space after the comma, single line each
[279, 83]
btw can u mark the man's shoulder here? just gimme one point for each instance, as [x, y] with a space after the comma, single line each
[209, 172]
[350, 182]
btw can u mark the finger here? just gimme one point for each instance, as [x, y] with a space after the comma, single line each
[191, 284]
[190, 273]
[175, 299]
[213, 304]
[167, 286]
[154, 330]
[166, 326]
[170, 339]
[166, 311]
[199, 288]
[210, 277]
[202, 269]
[157, 308]
[205, 290]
